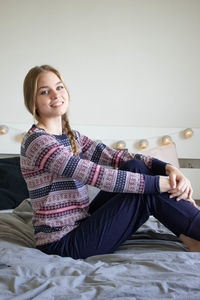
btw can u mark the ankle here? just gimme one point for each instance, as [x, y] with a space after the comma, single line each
[192, 244]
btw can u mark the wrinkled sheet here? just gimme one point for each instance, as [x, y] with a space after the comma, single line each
[152, 264]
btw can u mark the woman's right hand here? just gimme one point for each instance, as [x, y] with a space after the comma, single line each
[166, 187]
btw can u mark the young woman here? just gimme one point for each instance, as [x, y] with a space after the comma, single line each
[58, 163]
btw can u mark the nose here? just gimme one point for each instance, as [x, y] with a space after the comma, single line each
[54, 94]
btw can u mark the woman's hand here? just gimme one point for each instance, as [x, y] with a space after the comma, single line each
[180, 186]
[177, 185]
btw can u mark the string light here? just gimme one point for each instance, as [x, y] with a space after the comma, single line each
[3, 129]
[120, 145]
[18, 136]
[143, 144]
[166, 140]
[188, 133]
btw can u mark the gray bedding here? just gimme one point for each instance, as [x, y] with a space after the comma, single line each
[152, 264]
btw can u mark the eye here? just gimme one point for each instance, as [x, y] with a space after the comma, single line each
[44, 92]
[60, 87]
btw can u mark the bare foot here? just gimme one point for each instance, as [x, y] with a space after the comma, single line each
[192, 244]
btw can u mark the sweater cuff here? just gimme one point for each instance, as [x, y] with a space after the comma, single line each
[152, 184]
[159, 167]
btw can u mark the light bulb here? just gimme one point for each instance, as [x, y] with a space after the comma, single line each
[188, 133]
[143, 144]
[120, 145]
[166, 140]
[3, 129]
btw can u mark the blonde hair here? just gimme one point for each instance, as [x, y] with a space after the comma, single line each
[30, 90]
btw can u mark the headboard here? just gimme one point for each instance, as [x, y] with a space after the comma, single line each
[187, 147]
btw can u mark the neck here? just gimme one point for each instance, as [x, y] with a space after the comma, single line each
[51, 126]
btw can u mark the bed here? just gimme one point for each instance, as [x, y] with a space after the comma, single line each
[152, 264]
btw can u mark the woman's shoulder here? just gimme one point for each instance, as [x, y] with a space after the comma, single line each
[78, 136]
[35, 133]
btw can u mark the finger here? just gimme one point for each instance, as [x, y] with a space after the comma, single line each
[184, 195]
[178, 193]
[172, 180]
[181, 186]
[190, 193]
[172, 191]
[192, 201]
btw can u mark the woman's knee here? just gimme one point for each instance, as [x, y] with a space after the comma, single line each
[136, 166]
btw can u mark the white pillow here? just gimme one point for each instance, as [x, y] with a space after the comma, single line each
[166, 153]
[93, 191]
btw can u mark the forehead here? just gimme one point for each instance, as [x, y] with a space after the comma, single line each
[47, 78]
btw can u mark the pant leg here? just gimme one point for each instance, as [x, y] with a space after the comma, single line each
[105, 230]
[178, 216]
[100, 199]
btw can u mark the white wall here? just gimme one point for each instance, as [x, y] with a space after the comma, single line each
[125, 62]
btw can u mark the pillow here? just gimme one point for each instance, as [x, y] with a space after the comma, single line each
[92, 191]
[13, 189]
[165, 153]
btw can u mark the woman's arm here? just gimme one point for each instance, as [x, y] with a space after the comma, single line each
[176, 183]
[42, 152]
[104, 155]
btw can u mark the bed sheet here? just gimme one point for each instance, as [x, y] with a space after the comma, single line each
[152, 264]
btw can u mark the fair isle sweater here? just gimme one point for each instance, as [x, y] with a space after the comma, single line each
[57, 179]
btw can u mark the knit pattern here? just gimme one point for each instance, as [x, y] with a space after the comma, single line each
[57, 179]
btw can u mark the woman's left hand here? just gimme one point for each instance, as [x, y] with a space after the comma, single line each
[180, 185]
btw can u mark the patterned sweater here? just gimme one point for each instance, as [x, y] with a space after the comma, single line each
[57, 179]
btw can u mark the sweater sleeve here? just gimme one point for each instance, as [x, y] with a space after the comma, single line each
[104, 155]
[42, 152]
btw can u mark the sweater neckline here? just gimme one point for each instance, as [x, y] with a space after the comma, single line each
[60, 136]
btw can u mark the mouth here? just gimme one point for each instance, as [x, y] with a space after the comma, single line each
[57, 103]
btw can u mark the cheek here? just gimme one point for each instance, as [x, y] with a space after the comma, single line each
[66, 105]
[40, 104]
[36, 104]
[66, 95]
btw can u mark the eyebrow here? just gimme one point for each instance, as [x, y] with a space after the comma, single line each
[46, 86]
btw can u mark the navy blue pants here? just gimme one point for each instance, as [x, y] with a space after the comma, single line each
[115, 216]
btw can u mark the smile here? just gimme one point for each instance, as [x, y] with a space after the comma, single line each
[57, 103]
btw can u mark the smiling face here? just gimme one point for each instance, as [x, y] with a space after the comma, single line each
[52, 97]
